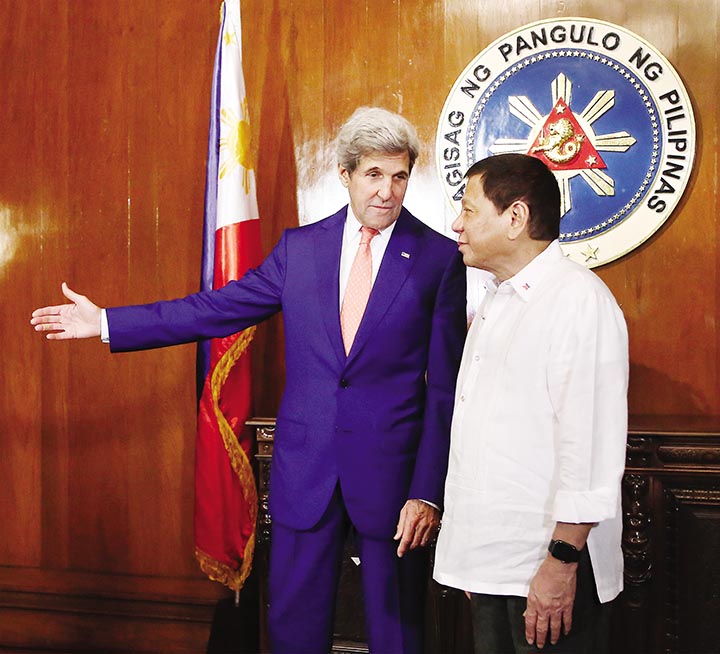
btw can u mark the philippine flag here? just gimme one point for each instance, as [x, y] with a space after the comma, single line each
[225, 492]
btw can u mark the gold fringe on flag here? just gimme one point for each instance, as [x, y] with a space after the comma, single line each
[214, 569]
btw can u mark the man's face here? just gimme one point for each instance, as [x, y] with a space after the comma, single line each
[481, 229]
[377, 188]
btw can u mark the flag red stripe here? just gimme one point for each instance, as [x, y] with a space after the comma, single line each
[237, 248]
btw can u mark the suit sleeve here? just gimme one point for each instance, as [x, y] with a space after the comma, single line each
[447, 338]
[210, 314]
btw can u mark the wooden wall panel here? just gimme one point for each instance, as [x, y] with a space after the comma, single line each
[104, 118]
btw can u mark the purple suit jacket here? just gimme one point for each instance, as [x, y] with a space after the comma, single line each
[377, 420]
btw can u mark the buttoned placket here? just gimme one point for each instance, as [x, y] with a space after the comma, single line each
[477, 385]
[492, 306]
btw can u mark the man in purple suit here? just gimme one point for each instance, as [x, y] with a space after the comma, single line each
[362, 432]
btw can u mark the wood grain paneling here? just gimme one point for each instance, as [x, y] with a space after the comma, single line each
[103, 151]
[104, 119]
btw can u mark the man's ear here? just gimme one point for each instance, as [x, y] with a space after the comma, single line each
[519, 219]
[344, 176]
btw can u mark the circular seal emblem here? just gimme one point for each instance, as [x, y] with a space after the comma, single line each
[600, 106]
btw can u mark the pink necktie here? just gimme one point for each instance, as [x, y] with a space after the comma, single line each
[358, 288]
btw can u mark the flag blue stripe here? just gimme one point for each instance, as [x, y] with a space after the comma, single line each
[211, 182]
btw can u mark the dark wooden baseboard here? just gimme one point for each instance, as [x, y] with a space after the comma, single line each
[88, 612]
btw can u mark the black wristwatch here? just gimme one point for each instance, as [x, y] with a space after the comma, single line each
[563, 551]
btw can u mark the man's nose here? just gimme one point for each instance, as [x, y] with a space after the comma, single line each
[456, 225]
[385, 189]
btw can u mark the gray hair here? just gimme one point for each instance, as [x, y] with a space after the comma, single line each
[373, 129]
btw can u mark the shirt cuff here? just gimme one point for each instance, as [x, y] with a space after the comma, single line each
[434, 506]
[585, 506]
[104, 329]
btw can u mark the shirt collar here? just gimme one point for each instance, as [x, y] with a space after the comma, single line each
[525, 281]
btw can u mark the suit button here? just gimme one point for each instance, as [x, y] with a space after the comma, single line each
[344, 383]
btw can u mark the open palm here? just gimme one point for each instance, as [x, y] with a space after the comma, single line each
[79, 319]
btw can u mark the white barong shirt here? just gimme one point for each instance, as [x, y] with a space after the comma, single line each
[539, 430]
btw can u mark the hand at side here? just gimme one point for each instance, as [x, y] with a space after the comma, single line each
[550, 602]
[418, 523]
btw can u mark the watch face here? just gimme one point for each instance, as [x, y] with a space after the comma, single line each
[564, 551]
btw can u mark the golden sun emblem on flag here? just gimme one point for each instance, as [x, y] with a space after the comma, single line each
[235, 145]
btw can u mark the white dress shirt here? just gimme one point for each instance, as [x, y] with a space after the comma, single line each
[539, 430]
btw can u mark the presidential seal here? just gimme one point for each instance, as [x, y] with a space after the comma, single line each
[600, 106]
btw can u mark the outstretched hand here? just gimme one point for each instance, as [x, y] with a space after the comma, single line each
[80, 319]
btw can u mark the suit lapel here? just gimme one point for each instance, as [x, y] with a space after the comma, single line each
[328, 244]
[401, 253]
